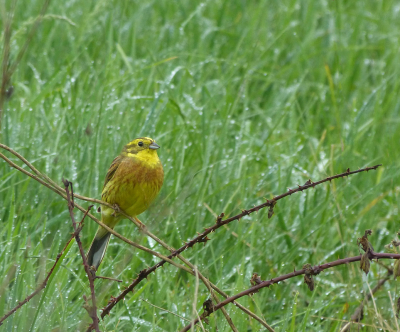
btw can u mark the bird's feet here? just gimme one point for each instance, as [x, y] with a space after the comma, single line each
[117, 210]
[92, 271]
[142, 226]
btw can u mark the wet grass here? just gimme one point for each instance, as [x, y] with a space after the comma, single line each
[245, 99]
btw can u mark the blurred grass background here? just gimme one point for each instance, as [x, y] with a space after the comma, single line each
[245, 98]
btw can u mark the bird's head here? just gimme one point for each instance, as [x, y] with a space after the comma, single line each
[140, 146]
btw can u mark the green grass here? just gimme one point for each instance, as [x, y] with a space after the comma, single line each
[245, 98]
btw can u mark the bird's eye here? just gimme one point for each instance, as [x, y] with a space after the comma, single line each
[140, 143]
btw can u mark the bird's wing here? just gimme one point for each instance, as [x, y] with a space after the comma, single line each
[113, 168]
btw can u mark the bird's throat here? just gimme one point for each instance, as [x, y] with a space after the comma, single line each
[148, 157]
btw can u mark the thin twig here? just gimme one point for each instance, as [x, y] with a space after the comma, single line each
[110, 230]
[219, 222]
[200, 275]
[201, 238]
[92, 310]
[41, 286]
[196, 289]
[49, 183]
[205, 281]
[215, 297]
[358, 314]
[317, 269]
[354, 323]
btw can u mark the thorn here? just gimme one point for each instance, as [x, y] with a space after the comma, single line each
[204, 240]
[255, 279]
[219, 218]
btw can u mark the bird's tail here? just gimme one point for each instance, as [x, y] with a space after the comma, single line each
[98, 247]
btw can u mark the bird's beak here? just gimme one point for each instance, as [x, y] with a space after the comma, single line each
[154, 146]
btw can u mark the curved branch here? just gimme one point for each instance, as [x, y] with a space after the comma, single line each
[317, 269]
[358, 313]
[52, 185]
[92, 310]
[219, 222]
[62, 194]
[48, 182]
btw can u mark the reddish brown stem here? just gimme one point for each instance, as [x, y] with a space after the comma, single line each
[267, 283]
[219, 222]
[358, 313]
[92, 310]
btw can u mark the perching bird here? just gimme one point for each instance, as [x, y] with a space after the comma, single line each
[132, 182]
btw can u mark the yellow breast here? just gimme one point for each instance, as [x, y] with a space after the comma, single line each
[136, 182]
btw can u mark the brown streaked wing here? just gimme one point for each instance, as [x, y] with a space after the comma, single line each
[113, 168]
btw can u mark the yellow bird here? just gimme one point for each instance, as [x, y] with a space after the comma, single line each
[132, 182]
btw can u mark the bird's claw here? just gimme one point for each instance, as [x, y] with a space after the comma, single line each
[142, 226]
[117, 210]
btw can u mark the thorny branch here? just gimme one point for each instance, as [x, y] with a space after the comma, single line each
[216, 299]
[62, 193]
[50, 184]
[92, 310]
[359, 312]
[219, 222]
[312, 270]
[46, 181]
[41, 286]
[54, 187]
[5, 91]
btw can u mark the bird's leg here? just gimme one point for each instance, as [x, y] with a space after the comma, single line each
[117, 210]
[92, 270]
[142, 226]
